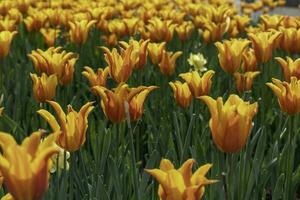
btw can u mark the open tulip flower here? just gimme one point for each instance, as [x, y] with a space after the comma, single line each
[231, 122]
[44, 87]
[54, 61]
[79, 30]
[167, 64]
[72, 126]
[244, 81]
[289, 39]
[230, 54]
[96, 79]
[263, 44]
[198, 85]
[182, 93]
[113, 102]
[5, 41]
[288, 94]
[25, 168]
[160, 30]
[120, 65]
[50, 36]
[182, 183]
[289, 67]
[156, 51]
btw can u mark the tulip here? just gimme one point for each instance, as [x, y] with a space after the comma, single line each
[197, 61]
[289, 67]
[263, 45]
[131, 25]
[112, 102]
[198, 86]
[271, 21]
[44, 87]
[290, 22]
[8, 24]
[287, 94]
[214, 32]
[25, 167]
[72, 126]
[5, 41]
[184, 30]
[230, 123]
[35, 21]
[96, 79]
[120, 65]
[50, 36]
[118, 27]
[79, 31]
[155, 51]
[289, 41]
[182, 183]
[160, 30]
[182, 93]
[230, 54]
[244, 81]
[139, 51]
[54, 61]
[110, 40]
[168, 62]
[249, 60]
[242, 22]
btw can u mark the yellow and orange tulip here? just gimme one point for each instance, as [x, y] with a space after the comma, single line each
[244, 81]
[167, 64]
[182, 93]
[156, 51]
[79, 31]
[289, 67]
[5, 41]
[96, 79]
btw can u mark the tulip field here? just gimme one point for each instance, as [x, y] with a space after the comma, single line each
[149, 100]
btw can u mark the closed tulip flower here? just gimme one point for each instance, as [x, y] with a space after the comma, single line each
[113, 101]
[288, 94]
[50, 36]
[96, 79]
[182, 183]
[231, 122]
[71, 126]
[5, 41]
[120, 65]
[139, 52]
[44, 87]
[249, 60]
[244, 81]
[231, 53]
[160, 30]
[263, 45]
[198, 85]
[35, 21]
[79, 31]
[168, 62]
[289, 67]
[182, 93]
[54, 61]
[289, 40]
[214, 31]
[184, 30]
[25, 167]
[155, 51]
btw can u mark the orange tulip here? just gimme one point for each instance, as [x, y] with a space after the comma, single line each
[25, 167]
[289, 41]
[230, 54]
[180, 184]
[230, 123]
[182, 93]
[287, 94]
[72, 126]
[289, 67]
[244, 81]
[168, 62]
[198, 86]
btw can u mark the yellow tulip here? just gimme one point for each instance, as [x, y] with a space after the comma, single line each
[271, 21]
[182, 93]
[155, 51]
[44, 87]
[117, 26]
[214, 31]
[139, 52]
[8, 24]
[35, 21]
[50, 36]
[5, 41]
[230, 123]
[244, 81]
[289, 40]
[242, 22]
[120, 65]
[160, 30]
[263, 44]
[198, 85]
[230, 54]
[54, 61]
[96, 79]
[79, 31]
[168, 62]
[290, 22]
[71, 126]
[288, 94]
[25, 167]
[249, 60]
[113, 102]
[182, 183]
[110, 40]
[289, 67]
[184, 30]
